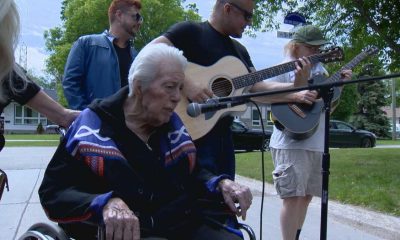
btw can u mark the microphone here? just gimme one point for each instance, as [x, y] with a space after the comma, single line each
[211, 105]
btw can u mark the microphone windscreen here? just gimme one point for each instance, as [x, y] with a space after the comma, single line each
[193, 110]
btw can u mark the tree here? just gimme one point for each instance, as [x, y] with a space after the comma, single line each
[41, 81]
[355, 23]
[370, 115]
[81, 17]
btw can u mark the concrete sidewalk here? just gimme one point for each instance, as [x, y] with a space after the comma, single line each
[20, 208]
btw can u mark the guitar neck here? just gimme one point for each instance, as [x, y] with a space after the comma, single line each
[354, 62]
[254, 77]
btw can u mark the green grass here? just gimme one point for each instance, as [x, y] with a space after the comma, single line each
[54, 140]
[363, 177]
[32, 136]
[388, 142]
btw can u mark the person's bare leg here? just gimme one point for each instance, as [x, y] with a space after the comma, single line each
[293, 214]
[304, 206]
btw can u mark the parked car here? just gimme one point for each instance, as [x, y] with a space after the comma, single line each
[343, 134]
[249, 139]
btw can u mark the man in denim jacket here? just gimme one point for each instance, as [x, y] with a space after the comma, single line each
[98, 64]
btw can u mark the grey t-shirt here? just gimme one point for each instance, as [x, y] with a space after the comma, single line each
[279, 140]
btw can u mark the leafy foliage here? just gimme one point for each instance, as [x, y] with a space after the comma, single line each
[370, 115]
[355, 25]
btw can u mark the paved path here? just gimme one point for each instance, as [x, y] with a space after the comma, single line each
[20, 208]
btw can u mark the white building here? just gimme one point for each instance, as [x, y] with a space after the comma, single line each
[22, 119]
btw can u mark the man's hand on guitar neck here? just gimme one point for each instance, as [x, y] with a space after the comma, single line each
[302, 72]
[196, 93]
[346, 74]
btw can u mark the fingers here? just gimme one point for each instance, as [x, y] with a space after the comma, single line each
[302, 71]
[120, 222]
[307, 97]
[346, 74]
[236, 193]
[244, 197]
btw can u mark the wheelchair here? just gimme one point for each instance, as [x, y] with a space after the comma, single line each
[49, 231]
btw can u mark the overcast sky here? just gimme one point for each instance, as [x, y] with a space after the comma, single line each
[40, 15]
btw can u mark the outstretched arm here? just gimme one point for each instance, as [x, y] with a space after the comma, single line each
[44, 104]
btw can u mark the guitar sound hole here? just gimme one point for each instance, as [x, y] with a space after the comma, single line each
[221, 87]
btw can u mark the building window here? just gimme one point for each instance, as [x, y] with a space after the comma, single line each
[255, 117]
[27, 116]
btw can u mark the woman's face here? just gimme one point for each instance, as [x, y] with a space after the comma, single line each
[162, 96]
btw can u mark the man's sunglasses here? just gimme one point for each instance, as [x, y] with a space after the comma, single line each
[248, 16]
[3, 182]
[137, 17]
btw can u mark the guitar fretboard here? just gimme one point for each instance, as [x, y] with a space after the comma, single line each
[254, 77]
[355, 61]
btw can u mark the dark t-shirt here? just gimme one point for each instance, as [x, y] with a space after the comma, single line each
[21, 95]
[203, 45]
[125, 61]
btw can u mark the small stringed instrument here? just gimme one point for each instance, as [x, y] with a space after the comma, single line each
[300, 121]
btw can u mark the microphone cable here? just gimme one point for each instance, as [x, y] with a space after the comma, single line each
[262, 167]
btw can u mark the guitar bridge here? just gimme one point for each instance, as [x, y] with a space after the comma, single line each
[297, 110]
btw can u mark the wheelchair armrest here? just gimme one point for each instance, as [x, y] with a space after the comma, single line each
[248, 230]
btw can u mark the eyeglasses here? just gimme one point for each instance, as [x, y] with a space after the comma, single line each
[248, 16]
[137, 17]
[3, 182]
[313, 48]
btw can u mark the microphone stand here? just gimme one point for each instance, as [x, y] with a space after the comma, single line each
[326, 92]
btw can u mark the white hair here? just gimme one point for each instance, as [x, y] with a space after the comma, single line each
[147, 63]
[9, 31]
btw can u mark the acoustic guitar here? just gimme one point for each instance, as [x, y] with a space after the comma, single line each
[300, 121]
[228, 77]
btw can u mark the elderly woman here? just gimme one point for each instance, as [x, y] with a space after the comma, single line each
[129, 163]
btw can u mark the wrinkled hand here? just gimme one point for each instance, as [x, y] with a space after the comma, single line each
[196, 93]
[306, 96]
[302, 74]
[121, 222]
[69, 117]
[236, 193]
[346, 74]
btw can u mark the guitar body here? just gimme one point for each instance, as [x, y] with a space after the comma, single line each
[211, 77]
[297, 125]
[300, 121]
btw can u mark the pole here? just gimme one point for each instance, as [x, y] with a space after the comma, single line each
[394, 133]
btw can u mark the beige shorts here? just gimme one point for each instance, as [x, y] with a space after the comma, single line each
[297, 172]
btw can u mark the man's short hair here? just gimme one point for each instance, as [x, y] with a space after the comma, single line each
[121, 5]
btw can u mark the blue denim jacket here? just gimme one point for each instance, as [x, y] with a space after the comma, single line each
[92, 70]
